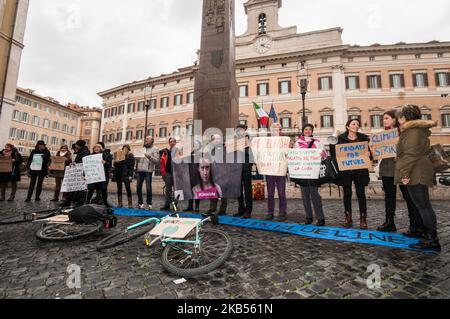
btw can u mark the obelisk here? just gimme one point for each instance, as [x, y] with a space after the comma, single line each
[216, 92]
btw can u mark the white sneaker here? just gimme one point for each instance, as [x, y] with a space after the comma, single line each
[141, 206]
[150, 207]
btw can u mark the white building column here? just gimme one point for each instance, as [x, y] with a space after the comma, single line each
[339, 99]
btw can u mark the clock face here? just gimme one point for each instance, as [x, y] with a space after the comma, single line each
[263, 44]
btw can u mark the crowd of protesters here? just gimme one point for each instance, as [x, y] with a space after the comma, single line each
[411, 171]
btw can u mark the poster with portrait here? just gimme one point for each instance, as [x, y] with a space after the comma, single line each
[206, 179]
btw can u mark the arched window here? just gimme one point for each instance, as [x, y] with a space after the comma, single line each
[262, 23]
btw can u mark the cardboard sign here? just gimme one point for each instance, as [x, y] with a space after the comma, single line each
[74, 179]
[93, 169]
[5, 164]
[140, 152]
[58, 163]
[173, 227]
[119, 156]
[38, 161]
[384, 145]
[304, 163]
[353, 156]
[270, 155]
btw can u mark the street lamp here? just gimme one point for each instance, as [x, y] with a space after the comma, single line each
[147, 107]
[302, 82]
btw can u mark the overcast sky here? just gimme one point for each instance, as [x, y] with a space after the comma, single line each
[76, 48]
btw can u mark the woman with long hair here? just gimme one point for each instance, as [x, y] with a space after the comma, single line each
[359, 177]
[14, 175]
[206, 189]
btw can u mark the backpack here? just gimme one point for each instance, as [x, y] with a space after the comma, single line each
[91, 214]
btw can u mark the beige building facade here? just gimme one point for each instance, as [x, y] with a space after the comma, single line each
[43, 118]
[342, 81]
[13, 16]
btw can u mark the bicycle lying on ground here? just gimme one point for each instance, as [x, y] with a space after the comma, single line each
[30, 217]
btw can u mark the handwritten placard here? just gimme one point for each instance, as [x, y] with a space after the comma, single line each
[353, 156]
[384, 144]
[270, 155]
[304, 163]
[58, 163]
[74, 179]
[37, 162]
[140, 152]
[93, 169]
[5, 164]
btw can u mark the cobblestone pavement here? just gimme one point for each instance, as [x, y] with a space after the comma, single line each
[263, 265]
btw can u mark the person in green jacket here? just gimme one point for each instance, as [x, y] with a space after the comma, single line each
[414, 170]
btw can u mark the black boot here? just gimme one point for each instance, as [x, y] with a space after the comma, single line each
[429, 243]
[388, 226]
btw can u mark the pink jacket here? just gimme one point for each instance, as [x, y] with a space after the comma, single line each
[304, 142]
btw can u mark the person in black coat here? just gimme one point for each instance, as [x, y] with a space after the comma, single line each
[359, 177]
[37, 165]
[101, 186]
[123, 173]
[13, 176]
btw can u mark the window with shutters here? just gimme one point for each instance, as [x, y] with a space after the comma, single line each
[355, 117]
[446, 120]
[284, 87]
[73, 130]
[190, 98]
[243, 91]
[46, 123]
[141, 106]
[151, 132]
[163, 132]
[443, 79]
[397, 81]
[374, 81]
[263, 89]
[129, 135]
[420, 80]
[139, 135]
[45, 138]
[121, 109]
[152, 104]
[131, 108]
[54, 141]
[111, 138]
[426, 117]
[352, 82]
[178, 100]
[106, 114]
[33, 137]
[176, 131]
[326, 121]
[12, 132]
[376, 121]
[25, 117]
[65, 128]
[16, 115]
[164, 102]
[325, 83]
[286, 123]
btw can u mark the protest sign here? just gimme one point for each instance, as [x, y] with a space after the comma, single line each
[93, 169]
[384, 144]
[119, 156]
[270, 155]
[140, 152]
[37, 162]
[5, 164]
[73, 179]
[353, 156]
[58, 163]
[304, 163]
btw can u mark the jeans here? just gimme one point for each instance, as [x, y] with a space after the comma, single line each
[311, 193]
[360, 193]
[246, 198]
[415, 221]
[390, 195]
[280, 183]
[141, 177]
[421, 200]
[40, 180]
[168, 182]
[126, 181]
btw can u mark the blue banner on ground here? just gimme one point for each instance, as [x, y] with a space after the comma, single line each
[328, 233]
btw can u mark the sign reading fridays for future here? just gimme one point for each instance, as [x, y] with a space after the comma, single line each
[270, 155]
[384, 144]
[353, 156]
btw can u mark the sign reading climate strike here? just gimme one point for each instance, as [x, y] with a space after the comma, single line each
[353, 156]
[304, 163]
[384, 145]
[270, 155]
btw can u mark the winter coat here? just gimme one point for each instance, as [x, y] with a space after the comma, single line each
[108, 158]
[344, 178]
[45, 163]
[14, 176]
[81, 154]
[124, 169]
[412, 160]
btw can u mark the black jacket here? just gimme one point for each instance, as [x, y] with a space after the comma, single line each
[124, 169]
[15, 175]
[82, 153]
[46, 161]
[361, 175]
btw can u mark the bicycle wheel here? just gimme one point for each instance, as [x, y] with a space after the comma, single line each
[124, 236]
[66, 232]
[28, 217]
[216, 247]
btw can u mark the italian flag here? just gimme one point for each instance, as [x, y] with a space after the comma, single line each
[261, 115]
